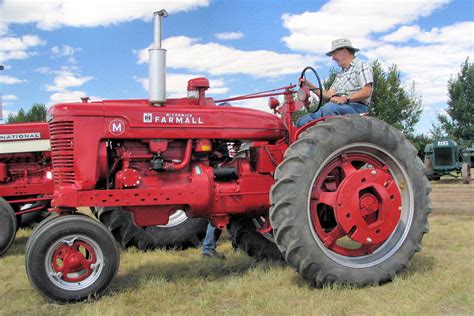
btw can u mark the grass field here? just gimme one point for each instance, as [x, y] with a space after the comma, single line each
[439, 281]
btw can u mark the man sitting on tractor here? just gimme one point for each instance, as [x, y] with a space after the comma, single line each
[350, 92]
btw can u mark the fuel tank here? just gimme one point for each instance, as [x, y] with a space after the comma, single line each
[176, 119]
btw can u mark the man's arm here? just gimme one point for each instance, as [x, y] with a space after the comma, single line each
[327, 94]
[357, 96]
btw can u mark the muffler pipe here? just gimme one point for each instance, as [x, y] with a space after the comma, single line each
[157, 62]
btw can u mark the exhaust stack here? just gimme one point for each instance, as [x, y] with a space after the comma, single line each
[157, 63]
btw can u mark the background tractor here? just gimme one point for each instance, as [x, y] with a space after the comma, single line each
[445, 157]
[342, 199]
[26, 180]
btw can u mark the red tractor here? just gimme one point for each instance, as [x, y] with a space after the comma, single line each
[26, 181]
[343, 199]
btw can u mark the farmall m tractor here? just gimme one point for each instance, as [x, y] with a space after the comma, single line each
[341, 200]
[26, 180]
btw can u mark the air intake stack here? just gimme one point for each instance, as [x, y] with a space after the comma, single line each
[157, 64]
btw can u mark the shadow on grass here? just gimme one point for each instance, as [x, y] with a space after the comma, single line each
[18, 247]
[189, 269]
[420, 265]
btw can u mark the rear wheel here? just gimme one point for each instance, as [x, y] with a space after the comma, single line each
[72, 258]
[37, 216]
[246, 237]
[181, 232]
[8, 226]
[350, 202]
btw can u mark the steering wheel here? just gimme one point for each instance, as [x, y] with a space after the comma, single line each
[304, 92]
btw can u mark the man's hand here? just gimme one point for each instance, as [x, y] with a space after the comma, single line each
[338, 99]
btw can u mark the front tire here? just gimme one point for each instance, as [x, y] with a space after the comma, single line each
[350, 202]
[8, 226]
[72, 258]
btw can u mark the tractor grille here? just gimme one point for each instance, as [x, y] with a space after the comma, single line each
[444, 156]
[62, 149]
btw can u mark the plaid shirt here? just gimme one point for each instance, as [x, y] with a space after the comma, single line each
[353, 78]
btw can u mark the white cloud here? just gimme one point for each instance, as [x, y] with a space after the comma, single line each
[43, 70]
[10, 80]
[457, 34]
[314, 31]
[431, 61]
[6, 113]
[216, 59]
[17, 47]
[403, 34]
[176, 85]
[67, 96]
[3, 28]
[66, 79]
[256, 104]
[229, 35]
[9, 97]
[63, 51]
[51, 14]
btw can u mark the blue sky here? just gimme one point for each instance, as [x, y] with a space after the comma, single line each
[61, 50]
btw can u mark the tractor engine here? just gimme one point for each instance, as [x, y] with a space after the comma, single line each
[153, 161]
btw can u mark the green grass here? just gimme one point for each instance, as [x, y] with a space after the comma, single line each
[440, 280]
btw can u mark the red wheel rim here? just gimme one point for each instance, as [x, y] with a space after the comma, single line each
[74, 262]
[355, 205]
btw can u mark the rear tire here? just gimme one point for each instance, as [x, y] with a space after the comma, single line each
[72, 258]
[327, 160]
[181, 234]
[29, 219]
[8, 226]
[245, 237]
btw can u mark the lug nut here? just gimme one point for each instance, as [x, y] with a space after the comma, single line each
[369, 240]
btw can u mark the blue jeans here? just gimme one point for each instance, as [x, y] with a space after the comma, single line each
[210, 242]
[331, 109]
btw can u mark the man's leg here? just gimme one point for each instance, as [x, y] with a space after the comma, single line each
[331, 109]
[308, 118]
[210, 242]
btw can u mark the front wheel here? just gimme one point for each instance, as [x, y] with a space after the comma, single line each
[350, 202]
[72, 258]
[8, 226]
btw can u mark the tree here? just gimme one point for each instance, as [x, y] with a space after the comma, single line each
[392, 102]
[458, 123]
[37, 113]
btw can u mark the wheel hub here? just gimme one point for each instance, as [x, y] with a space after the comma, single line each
[368, 206]
[73, 263]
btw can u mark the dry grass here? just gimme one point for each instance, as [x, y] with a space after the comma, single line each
[439, 281]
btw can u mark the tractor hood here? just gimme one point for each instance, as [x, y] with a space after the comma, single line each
[177, 118]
